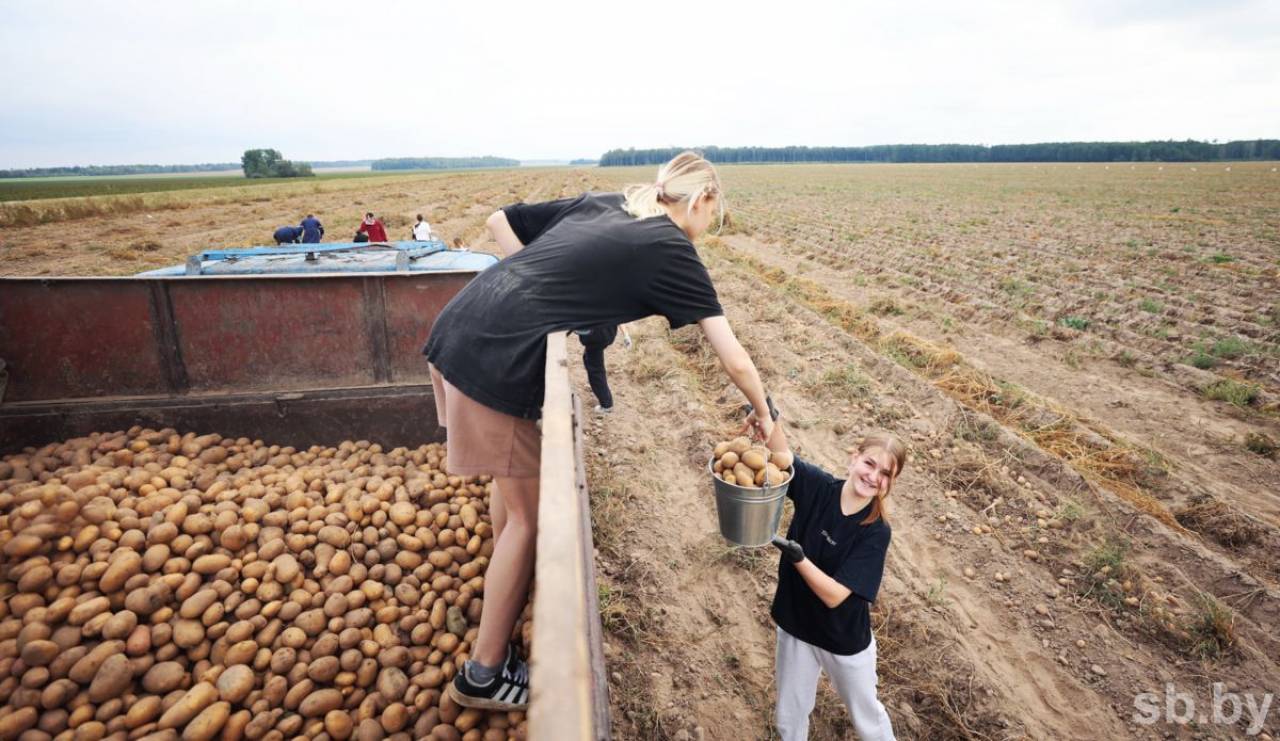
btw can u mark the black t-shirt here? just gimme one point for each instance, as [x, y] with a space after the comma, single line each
[846, 550]
[586, 262]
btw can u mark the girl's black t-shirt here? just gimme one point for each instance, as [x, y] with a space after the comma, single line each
[585, 262]
[844, 549]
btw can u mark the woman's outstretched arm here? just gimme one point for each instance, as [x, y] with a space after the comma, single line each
[737, 363]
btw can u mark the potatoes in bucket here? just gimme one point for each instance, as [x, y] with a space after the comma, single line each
[739, 462]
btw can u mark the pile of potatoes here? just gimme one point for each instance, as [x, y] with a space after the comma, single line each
[162, 586]
[738, 462]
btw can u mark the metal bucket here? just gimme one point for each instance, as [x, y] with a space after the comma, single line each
[748, 516]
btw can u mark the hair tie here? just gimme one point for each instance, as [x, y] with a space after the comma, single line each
[661, 193]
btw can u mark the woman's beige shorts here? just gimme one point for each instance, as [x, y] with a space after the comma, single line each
[483, 440]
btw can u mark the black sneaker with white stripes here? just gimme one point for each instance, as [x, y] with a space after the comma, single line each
[507, 691]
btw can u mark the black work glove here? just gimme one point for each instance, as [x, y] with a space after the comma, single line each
[791, 550]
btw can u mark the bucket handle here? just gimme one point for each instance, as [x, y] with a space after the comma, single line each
[765, 488]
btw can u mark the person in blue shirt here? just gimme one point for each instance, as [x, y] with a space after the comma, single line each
[828, 576]
[312, 230]
[287, 235]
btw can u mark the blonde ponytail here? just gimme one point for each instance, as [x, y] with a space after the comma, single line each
[685, 179]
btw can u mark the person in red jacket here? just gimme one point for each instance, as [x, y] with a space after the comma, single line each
[374, 228]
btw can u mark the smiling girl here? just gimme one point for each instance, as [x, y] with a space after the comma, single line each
[832, 562]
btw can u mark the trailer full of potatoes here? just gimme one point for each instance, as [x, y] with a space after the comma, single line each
[161, 585]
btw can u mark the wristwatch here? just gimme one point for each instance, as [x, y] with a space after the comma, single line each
[773, 411]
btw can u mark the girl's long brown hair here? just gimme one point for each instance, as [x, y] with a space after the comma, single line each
[889, 443]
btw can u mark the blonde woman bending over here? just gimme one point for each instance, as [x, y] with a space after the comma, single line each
[596, 259]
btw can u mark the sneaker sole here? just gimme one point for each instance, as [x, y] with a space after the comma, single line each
[481, 703]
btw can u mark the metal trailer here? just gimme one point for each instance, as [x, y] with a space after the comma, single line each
[266, 346]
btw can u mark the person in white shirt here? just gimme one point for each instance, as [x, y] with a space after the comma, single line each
[422, 230]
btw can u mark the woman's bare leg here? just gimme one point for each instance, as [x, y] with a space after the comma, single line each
[497, 512]
[506, 581]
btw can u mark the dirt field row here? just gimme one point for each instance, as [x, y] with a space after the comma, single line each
[1079, 527]
[1084, 360]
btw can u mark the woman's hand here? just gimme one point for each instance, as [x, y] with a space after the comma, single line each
[760, 425]
[791, 549]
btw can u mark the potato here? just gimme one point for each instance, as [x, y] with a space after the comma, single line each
[12, 725]
[145, 710]
[320, 702]
[729, 460]
[403, 513]
[122, 568]
[235, 683]
[739, 445]
[782, 460]
[754, 460]
[86, 668]
[744, 475]
[191, 704]
[90, 608]
[40, 653]
[112, 679]
[206, 725]
[721, 449]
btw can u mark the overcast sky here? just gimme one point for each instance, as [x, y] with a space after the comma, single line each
[196, 81]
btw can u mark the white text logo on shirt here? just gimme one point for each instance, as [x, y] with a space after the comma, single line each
[828, 537]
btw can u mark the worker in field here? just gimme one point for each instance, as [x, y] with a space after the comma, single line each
[372, 227]
[594, 341]
[312, 230]
[597, 259]
[287, 235]
[421, 231]
[830, 571]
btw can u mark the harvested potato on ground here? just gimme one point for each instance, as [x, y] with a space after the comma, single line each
[195, 586]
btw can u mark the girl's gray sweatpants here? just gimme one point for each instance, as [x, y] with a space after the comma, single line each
[853, 677]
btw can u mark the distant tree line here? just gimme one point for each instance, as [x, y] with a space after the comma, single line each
[340, 163]
[50, 172]
[584, 162]
[1150, 151]
[267, 163]
[441, 163]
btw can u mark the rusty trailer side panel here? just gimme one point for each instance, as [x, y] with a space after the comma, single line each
[233, 354]
[72, 338]
[96, 338]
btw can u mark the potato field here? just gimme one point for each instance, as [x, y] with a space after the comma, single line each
[1084, 359]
